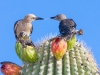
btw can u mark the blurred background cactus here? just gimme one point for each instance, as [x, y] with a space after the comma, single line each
[76, 61]
[9, 68]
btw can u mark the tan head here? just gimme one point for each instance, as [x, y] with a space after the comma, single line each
[31, 17]
[59, 17]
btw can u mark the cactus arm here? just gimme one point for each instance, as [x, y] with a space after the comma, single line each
[85, 63]
[73, 64]
[59, 67]
[51, 64]
[40, 54]
[79, 62]
[66, 64]
[43, 66]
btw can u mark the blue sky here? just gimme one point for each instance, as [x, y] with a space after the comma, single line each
[86, 14]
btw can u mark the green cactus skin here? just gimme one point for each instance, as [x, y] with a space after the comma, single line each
[71, 42]
[27, 54]
[77, 61]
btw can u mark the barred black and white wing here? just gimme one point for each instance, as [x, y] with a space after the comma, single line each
[15, 28]
[67, 27]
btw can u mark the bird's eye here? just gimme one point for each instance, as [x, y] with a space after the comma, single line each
[33, 18]
[57, 17]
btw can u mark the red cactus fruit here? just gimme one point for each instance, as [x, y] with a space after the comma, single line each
[9, 68]
[58, 47]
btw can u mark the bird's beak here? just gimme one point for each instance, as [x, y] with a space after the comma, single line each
[53, 17]
[39, 18]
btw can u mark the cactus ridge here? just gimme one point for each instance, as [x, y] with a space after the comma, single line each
[77, 61]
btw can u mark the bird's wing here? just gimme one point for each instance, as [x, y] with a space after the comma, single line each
[67, 26]
[15, 28]
[73, 24]
[31, 29]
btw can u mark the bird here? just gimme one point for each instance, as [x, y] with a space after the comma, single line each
[24, 26]
[67, 27]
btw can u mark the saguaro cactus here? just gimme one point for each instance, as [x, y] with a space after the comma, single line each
[77, 61]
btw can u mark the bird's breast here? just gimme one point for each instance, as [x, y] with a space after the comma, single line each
[24, 27]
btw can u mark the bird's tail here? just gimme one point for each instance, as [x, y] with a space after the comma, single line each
[80, 32]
